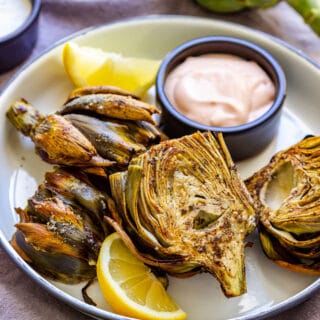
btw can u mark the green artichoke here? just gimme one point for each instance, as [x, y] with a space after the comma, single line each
[286, 193]
[308, 9]
[181, 206]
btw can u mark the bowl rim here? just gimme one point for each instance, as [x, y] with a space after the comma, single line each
[33, 15]
[272, 111]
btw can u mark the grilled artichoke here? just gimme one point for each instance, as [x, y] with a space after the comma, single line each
[56, 140]
[62, 227]
[286, 194]
[82, 91]
[182, 207]
[227, 6]
[96, 129]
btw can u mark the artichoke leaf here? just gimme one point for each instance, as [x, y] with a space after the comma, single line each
[113, 106]
[53, 258]
[293, 261]
[73, 226]
[121, 214]
[168, 263]
[111, 140]
[83, 91]
[63, 183]
[145, 133]
[59, 142]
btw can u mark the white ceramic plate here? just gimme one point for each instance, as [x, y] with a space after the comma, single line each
[45, 84]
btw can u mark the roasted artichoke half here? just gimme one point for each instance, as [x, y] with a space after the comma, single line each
[98, 129]
[62, 227]
[286, 193]
[181, 206]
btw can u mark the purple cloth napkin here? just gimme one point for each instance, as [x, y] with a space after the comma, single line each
[21, 298]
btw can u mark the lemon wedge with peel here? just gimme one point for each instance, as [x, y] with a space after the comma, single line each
[129, 286]
[89, 66]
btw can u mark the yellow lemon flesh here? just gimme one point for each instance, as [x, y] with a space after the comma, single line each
[129, 286]
[88, 66]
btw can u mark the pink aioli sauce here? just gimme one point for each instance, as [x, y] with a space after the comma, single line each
[220, 90]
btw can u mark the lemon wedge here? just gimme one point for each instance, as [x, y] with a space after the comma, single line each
[88, 66]
[129, 286]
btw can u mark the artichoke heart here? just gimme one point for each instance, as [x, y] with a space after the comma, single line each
[181, 206]
[62, 227]
[286, 194]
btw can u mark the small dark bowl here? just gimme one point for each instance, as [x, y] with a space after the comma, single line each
[245, 140]
[16, 46]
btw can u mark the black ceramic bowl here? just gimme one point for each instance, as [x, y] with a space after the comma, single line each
[244, 140]
[17, 45]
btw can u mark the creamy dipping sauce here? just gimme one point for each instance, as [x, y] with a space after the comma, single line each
[13, 13]
[220, 90]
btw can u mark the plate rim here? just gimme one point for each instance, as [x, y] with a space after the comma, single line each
[95, 311]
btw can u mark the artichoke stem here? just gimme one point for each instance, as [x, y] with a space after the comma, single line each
[24, 117]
